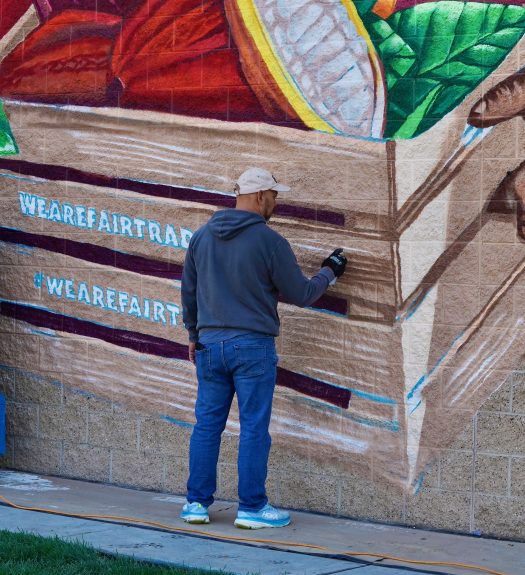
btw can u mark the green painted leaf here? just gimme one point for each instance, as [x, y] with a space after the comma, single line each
[8, 145]
[435, 54]
[408, 129]
[397, 56]
[364, 6]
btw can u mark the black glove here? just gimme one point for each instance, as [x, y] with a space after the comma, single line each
[336, 262]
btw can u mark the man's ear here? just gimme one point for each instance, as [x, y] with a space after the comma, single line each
[260, 197]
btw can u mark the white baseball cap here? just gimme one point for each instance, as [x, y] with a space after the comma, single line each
[258, 180]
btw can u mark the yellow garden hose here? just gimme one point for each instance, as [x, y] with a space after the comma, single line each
[218, 536]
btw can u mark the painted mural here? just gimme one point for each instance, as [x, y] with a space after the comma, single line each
[399, 124]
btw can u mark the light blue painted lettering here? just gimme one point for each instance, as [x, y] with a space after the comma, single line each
[158, 312]
[91, 218]
[170, 238]
[103, 224]
[185, 237]
[111, 295]
[54, 286]
[70, 289]
[114, 217]
[139, 225]
[27, 203]
[68, 215]
[81, 216]
[174, 312]
[125, 226]
[83, 293]
[98, 296]
[41, 204]
[154, 231]
[146, 308]
[134, 307]
[123, 299]
[55, 214]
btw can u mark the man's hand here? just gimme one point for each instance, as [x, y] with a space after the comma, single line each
[191, 351]
[336, 261]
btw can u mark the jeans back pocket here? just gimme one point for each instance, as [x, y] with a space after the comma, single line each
[251, 360]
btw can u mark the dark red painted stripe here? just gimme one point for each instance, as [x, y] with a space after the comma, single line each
[62, 173]
[338, 396]
[331, 303]
[158, 346]
[93, 253]
[128, 262]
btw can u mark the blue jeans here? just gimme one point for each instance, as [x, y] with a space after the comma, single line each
[245, 365]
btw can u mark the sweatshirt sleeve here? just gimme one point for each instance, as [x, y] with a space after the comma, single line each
[290, 280]
[189, 295]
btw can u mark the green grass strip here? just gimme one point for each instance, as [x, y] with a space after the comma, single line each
[25, 554]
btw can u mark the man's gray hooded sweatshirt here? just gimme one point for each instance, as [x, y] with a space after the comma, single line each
[235, 268]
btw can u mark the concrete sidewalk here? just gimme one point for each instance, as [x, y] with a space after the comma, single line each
[64, 495]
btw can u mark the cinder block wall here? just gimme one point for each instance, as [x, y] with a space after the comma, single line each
[435, 282]
[478, 485]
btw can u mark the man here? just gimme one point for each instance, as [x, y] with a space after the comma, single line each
[235, 268]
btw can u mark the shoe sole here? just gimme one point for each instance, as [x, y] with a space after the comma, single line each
[196, 520]
[247, 524]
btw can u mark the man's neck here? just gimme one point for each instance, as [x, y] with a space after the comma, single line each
[247, 208]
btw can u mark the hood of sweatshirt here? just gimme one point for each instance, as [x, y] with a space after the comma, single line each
[227, 224]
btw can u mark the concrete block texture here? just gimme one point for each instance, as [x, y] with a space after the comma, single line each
[468, 488]
[400, 396]
[141, 468]
[83, 460]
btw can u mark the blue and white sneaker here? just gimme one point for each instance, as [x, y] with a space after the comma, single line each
[195, 513]
[268, 516]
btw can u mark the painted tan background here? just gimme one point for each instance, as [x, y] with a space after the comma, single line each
[430, 346]
[477, 484]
